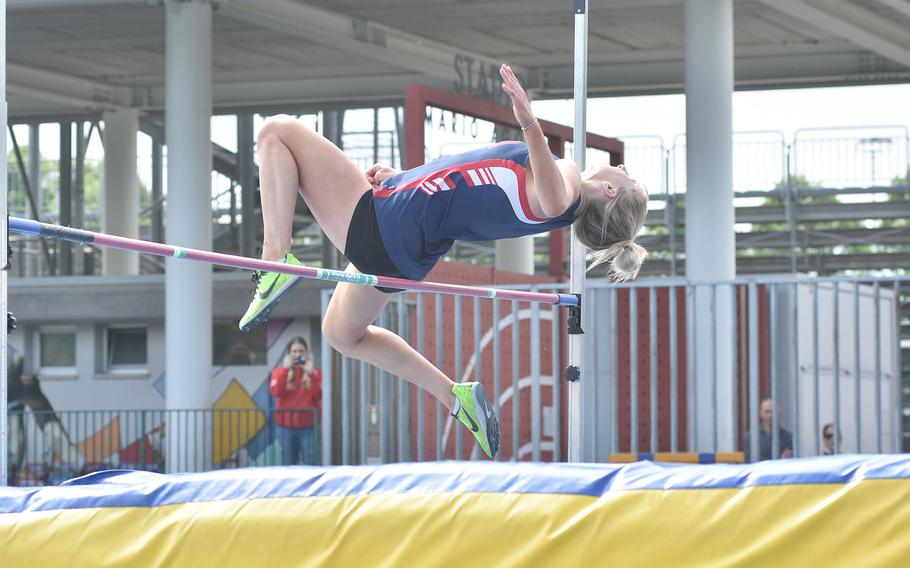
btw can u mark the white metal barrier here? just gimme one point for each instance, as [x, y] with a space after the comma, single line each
[825, 350]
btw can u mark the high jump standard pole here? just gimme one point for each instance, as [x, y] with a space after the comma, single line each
[4, 247]
[577, 262]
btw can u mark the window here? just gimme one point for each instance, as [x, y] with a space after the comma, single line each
[230, 346]
[126, 347]
[56, 350]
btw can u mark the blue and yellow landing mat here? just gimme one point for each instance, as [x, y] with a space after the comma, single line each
[834, 511]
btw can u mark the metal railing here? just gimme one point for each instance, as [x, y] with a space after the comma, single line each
[669, 367]
[688, 366]
[47, 447]
[856, 164]
[835, 157]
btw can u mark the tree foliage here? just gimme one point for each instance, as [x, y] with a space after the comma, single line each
[50, 185]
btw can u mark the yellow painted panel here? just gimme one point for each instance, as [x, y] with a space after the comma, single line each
[232, 430]
[679, 457]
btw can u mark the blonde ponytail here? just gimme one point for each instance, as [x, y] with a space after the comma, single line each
[609, 228]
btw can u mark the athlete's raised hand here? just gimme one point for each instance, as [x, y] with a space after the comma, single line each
[521, 106]
[379, 173]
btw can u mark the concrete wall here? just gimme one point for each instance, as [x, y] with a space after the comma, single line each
[90, 304]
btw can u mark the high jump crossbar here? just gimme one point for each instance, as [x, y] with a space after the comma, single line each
[35, 228]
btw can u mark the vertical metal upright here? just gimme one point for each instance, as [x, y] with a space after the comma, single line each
[65, 197]
[79, 193]
[3, 248]
[157, 190]
[327, 385]
[251, 224]
[577, 257]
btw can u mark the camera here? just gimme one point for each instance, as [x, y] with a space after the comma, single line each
[301, 360]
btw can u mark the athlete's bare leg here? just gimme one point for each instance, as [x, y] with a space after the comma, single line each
[347, 326]
[294, 158]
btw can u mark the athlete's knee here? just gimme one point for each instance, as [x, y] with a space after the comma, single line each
[340, 336]
[277, 128]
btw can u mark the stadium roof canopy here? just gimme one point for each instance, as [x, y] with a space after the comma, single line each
[66, 57]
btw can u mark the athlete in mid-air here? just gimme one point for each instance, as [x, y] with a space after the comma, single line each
[399, 224]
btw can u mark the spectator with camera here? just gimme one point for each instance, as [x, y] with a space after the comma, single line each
[296, 385]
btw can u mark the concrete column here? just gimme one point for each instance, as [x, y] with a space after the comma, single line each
[120, 192]
[251, 223]
[710, 251]
[188, 314]
[333, 130]
[515, 255]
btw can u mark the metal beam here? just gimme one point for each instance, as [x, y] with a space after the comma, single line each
[781, 240]
[851, 22]
[298, 93]
[377, 42]
[13, 5]
[223, 160]
[807, 213]
[768, 71]
[63, 89]
[822, 264]
[901, 6]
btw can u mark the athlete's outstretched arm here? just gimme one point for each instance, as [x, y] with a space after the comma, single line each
[554, 193]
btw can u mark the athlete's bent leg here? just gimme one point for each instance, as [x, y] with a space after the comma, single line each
[296, 159]
[347, 326]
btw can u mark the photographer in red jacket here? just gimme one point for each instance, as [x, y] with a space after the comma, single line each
[296, 385]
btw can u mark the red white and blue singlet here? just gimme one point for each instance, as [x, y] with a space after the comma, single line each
[475, 196]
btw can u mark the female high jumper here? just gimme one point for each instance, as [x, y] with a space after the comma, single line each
[399, 224]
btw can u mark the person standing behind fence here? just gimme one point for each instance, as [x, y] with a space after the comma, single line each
[767, 419]
[828, 439]
[296, 385]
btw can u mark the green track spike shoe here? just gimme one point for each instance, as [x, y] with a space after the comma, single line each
[271, 287]
[476, 413]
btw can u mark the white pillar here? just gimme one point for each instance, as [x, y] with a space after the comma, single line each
[710, 251]
[515, 255]
[188, 324]
[120, 191]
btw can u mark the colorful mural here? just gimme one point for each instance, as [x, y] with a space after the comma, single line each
[233, 429]
[240, 422]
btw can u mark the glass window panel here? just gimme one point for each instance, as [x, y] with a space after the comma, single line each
[127, 346]
[58, 348]
[232, 347]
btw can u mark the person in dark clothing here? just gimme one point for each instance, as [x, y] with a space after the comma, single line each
[766, 421]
